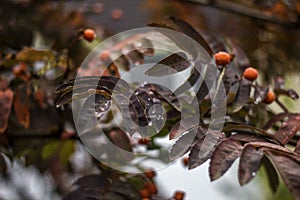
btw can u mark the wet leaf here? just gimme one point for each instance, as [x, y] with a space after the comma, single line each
[288, 128]
[249, 164]
[120, 139]
[6, 99]
[164, 94]
[289, 170]
[174, 63]
[134, 56]
[194, 76]
[204, 148]
[184, 143]
[144, 46]
[21, 104]
[182, 126]
[223, 157]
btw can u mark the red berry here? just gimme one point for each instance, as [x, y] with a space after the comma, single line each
[179, 195]
[150, 174]
[269, 98]
[185, 161]
[89, 35]
[250, 74]
[145, 193]
[222, 58]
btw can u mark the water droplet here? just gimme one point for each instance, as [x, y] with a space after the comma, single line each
[284, 124]
[253, 174]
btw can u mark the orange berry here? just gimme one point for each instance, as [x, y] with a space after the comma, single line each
[116, 13]
[151, 187]
[269, 98]
[145, 193]
[222, 58]
[250, 74]
[89, 35]
[150, 174]
[185, 161]
[179, 195]
[104, 55]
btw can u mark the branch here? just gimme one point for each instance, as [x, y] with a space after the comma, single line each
[246, 12]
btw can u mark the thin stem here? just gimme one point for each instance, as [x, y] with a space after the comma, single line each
[281, 105]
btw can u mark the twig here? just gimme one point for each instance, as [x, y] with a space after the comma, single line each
[247, 12]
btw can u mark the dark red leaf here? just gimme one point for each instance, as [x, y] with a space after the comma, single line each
[288, 128]
[184, 143]
[223, 157]
[274, 120]
[271, 174]
[174, 63]
[21, 105]
[244, 137]
[249, 164]
[215, 44]
[288, 168]
[182, 126]
[120, 139]
[204, 148]
[6, 99]
[242, 96]
[187, 29]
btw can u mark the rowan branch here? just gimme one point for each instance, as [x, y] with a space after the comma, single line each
[246, 12]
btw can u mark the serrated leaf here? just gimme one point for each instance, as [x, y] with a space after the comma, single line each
[244, 137]
[172, 64]
[215, 44]
[187, 29]
[223, 157]
[185, 143]
[182, 126]
[204, 148]
[289, 170]
[249, 164]
[288, 128]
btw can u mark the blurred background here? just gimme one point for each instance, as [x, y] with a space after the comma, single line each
[45, 165]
